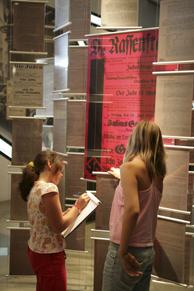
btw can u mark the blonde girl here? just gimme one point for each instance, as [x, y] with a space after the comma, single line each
[134, 210]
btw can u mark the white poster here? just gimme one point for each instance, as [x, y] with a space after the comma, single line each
[176, 30]
[174, 104]
[119, 13]
[27, 85]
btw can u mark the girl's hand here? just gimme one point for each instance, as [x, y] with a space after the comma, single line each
[82, 201]
[128, 262]
[115, 172]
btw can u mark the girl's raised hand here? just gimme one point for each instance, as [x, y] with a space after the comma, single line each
[115, 172]
[82, 201]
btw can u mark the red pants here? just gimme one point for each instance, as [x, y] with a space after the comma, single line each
[50, 271]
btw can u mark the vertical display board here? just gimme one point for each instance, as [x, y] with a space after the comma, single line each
[12, 111]
[80, 17]
[119, 13]
[77, 77]
[18, 209]
[61, 62]
[61, 13]
[26, 140]
[28, 29]
[19, 261]
[60, 125]
[170, 251]
[101, 249]
[76, 240]
[120, 92]
[76, 123]
[27, 85]
[105, 188]
[48, 87]
[176, 34]
[174, 96]
[73, 172]
[176, 181]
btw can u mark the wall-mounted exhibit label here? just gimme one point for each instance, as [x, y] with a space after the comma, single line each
[176, 33]
[119, 13]
[120, 92]
[174, 104]
[27, 85]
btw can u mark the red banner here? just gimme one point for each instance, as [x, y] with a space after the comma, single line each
[120, 93]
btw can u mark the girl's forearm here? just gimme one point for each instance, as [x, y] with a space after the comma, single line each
[128, 225]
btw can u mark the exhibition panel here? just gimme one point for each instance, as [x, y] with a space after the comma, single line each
[76, 123]
[27, 139]
[28, 17]
[61, 62]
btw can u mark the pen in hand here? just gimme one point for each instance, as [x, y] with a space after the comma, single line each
[75, 195]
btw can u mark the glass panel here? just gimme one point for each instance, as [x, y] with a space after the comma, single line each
[77, 77]
[61, 13]
[73, 183]
[61, 62]
[48, 87]
[176, 181]
[76, 123]
[60, 126]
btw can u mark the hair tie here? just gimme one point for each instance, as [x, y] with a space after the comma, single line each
[31, 164]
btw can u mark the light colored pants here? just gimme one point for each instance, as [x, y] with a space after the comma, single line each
[115, 277]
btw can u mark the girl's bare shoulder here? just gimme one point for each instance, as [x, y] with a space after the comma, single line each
[135, 164]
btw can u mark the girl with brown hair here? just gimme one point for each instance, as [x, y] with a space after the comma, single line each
[46, 246]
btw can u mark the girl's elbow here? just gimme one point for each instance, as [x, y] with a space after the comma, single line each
[58, 229]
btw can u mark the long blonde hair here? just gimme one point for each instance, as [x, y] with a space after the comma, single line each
[146, 141]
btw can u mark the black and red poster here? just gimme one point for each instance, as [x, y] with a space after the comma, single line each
[120, 93]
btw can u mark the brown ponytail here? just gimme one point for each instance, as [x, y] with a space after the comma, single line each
[32, 171]
[28, 178]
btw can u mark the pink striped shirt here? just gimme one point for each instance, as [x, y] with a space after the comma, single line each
[145, 228]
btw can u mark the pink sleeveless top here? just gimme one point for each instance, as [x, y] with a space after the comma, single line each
[145, 228]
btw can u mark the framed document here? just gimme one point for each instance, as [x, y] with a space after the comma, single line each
[119, 13]
[27, 85]
[176, 33]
